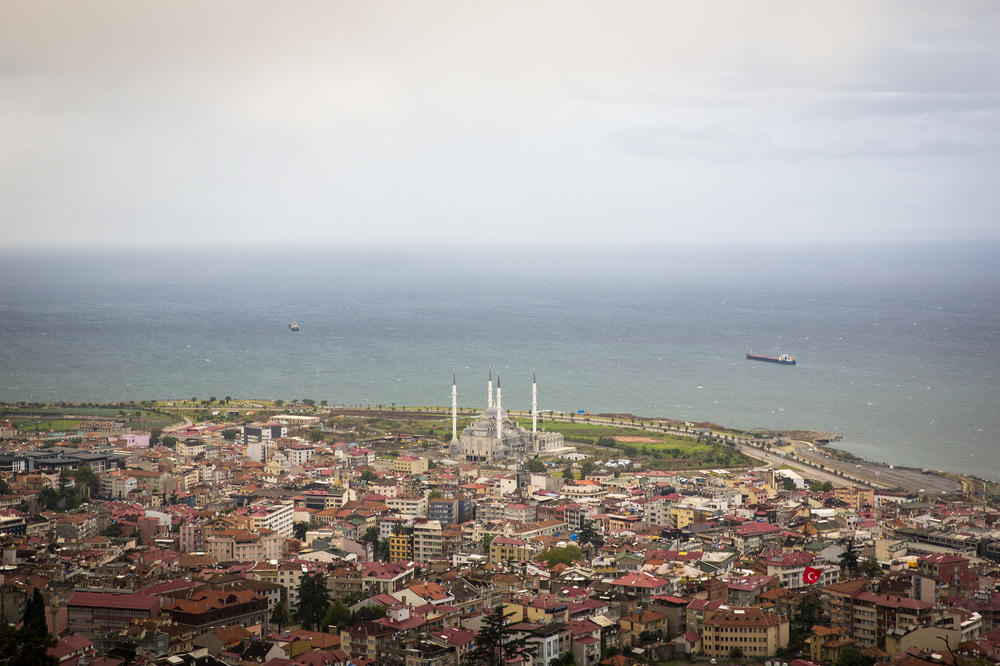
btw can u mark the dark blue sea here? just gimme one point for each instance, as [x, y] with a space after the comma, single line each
[897, 347]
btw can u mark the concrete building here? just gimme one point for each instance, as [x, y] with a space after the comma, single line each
[507, 549]
[401, 547]
[875, 615]
[496, 436]
[409, 465]
[426, 541]
[94, 613]
[192, 538]
[258, 432]
[243, 546]
[409, 505]
[752, 630]
[274, 516]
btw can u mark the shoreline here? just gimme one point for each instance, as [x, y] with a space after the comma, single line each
[805, 449]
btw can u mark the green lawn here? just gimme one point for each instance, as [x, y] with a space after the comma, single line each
[661, 450]
[49, 425]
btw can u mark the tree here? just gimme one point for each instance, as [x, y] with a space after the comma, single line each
[495, 645]
[314, 599]
[870, 568]
[849, 559]
[586, 467]
[589, 535]
[316, 436]
[279, 615]
[4, 487]
[568, 472]
[804, 615]
[154, 435]
[337, 615]
[850, 656]
[34, 615]
[487, 540]
[112, 530]
[371, 535]
[535, 466]
[608, 442]
[736, 652]
[229, 434]
[565, 659]
[382, 550]
[564, 555]
[369, 475]
[299, 530]
[168, 441]
[28, 646]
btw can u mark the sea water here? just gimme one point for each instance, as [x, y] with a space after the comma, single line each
[897, 347]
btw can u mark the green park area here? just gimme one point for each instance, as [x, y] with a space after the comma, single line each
[659, 450]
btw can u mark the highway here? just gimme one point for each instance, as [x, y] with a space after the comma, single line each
[880, 474]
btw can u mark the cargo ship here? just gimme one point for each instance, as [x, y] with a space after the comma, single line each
[782, 359]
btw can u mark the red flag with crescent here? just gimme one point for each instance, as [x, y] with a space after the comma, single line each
[811, 575]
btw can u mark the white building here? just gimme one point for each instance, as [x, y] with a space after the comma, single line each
[496, 436]
[276, 516]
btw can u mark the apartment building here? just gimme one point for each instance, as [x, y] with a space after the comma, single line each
[788, 568]
[192, 538]
[77, 526]
[408, 505]
[274, 516]
[754, 631]
[507, 549]
[243, 546]
[426, 541]
[401, 547]
[94, 613]
[259, 432]
[876, 614]
[299, 454]
[409, 465]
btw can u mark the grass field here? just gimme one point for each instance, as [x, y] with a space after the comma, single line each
[49, 425]
[663, 451]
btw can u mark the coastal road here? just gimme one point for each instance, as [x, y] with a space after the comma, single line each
[777, 460]
[186, 423]
[906, 478]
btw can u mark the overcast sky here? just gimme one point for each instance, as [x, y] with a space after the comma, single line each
[167, 123]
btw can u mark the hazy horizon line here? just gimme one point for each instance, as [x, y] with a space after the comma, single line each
[500, 245]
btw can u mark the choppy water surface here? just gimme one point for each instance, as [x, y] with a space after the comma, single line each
[897, 348]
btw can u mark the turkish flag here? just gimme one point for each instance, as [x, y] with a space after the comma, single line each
[811, 575]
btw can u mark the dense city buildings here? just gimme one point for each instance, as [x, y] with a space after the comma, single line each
[308, 537]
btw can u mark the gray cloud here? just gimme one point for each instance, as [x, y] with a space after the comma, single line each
[445, 122]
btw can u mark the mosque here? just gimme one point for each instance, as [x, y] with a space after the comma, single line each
[496, 437]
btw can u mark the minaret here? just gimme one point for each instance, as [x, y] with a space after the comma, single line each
[534, 406]
[499, 412]
[454, 408]
[489, 388]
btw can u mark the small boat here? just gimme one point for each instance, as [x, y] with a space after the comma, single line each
[293, 326]
[781, 359]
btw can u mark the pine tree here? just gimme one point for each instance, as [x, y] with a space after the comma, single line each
[28, 646]
[494, 645]
[314, 599]
[849, 559]
[34, 615]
